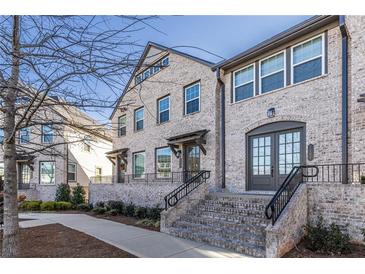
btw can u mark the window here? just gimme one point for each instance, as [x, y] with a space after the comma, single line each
[98, 171]
[155, 68]
[138, 165]
[87, 144]
[261, 155]
[289, 151]
[47, 134]
[139, 119]
[25, 173]
[138, 79]
[146, 74]
[71, 172]
[47, 173]
[164, 109]
[24, 135]
[192, 98]
[163, 162]
[1, 135]
[122, 127]
[272, 73]
[308, 60]
[2, 170]
[165, 62]
[244, 82]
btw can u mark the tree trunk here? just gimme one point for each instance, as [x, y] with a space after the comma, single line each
[10, 246]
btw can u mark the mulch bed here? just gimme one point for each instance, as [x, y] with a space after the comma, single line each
[357, 251]
[58, 241]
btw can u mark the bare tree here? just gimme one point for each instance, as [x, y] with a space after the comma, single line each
[45, 58]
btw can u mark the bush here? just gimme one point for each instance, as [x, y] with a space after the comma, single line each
[78, 195]
[324, 239]
[83, 207]
[154, 213]
[117, 205]
[362, 180]
[112, 212]
[99, 204]
[140, 212]
[48, 206]
[129, 210]
[31, 205]
[63, 206]
[149, 222]
[99, 210]
[63, 193]
[363, 234]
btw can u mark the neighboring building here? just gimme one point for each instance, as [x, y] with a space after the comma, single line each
[68, 148]
[296, 99]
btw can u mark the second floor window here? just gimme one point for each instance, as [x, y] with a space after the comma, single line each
[71, 172]
[244, 83]
[47, 134]
[139, 119]
[164, 109]
[1, 135]
[192, 98]
[272, 73]
[24, 135]
[122, 126]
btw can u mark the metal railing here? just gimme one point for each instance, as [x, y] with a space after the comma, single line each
[286, 191]
[338, 173]
[148, 178]
[188, 186]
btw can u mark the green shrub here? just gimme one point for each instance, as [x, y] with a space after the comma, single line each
[99, 204]
[324, 239]
[362, 179]
[99, 210]
[63, 205]
[157, 224]
[140, 212]
[112, 212]
[63, 193]
[31, 205]
[363, 234]
[78, 195]
[149, 222]
[117, 205]
[129, 210]
[48, 206]
[84, 207]
[154, 213]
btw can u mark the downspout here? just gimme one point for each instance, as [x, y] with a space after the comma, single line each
[223, 128]
[344, 73]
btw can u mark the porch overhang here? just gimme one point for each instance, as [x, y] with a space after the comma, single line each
[118, 153]
[195, 137]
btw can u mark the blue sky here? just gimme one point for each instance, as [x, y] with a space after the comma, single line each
[224, 36]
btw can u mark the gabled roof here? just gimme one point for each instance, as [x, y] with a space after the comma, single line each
[288, 35]
[143, 56]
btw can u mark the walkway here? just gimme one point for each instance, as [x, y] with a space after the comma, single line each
[140, 242]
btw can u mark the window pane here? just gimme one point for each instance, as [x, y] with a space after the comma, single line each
[272, 82]
[139, 114]
[164, 116]
[166, 61]
[139, 125]
[24, 135]
[272, 64]
[192, 92]
[307, 70]
[244, 76]
[26, 174]
[192, 106]
[1, 135]
[163, 162]
[138, 165]
[164, 104]
[47, 171]
[307, 50]
[47, 134]
[243, 92]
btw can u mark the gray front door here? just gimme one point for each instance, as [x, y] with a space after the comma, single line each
[271, 157]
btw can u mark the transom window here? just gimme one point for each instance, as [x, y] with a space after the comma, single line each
[289, 151]
[244, 82]
[139, 119]
[71, 172]
[138, 165]
[164, 109]
[163, 162]
[192, 98]
[47, 134]
[47, 173]
[308, 60]
[24, 135]
[261, 155]
[122, 125]
[272, 73]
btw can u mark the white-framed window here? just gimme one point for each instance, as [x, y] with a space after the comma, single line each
[139, 119]
[138, 79]
[122, 125]
[87, 144]
[139, 165]
[1, 135]
[98, 171]
[2, 170]
[24, 136]
[244, 83]
[272, 72]
[72, 172]
[47, 173]
[165, 61]
[163, 162]
[192, 98]
[307, 59]
[155, 68]
[47, 134]
[164, 109]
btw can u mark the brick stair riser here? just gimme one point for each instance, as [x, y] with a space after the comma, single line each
[229, 218]
[235, 211]
[237, 205]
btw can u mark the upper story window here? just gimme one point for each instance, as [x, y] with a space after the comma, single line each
[47, 173]
[308, 59]
[1, 135]
[272, 72]
[122, 125]
[192, 98]
[47, 134]
[139, 119]
[71, 172]
[156, 67]
[164, 109]
[24, 135]
[87, 144]
[244, 82]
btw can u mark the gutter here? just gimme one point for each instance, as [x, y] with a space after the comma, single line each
[223, 129]
[344, 81]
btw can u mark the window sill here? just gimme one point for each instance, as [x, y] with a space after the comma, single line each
[190, 114]
[47, 184]
[163, 123]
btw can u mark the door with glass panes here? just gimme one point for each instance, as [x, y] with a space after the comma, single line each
[272, 156]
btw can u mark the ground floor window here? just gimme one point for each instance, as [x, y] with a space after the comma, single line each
[47, 173]
[163, 162]
[71, 172]
[25, 173]
[138, 165]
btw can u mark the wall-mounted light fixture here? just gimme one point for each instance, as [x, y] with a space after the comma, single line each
[270, 112]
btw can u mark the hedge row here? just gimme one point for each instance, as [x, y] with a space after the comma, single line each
[45, 206]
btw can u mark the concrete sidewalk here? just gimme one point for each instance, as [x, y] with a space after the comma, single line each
[140, 242]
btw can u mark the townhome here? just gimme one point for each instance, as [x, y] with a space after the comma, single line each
[66, 146]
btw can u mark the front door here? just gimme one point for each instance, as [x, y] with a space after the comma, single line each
[192, 160]
[272, 156]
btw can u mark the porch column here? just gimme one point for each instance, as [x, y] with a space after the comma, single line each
[117, 169]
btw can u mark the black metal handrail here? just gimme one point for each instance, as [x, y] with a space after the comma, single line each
[286, 191]
[183, 190]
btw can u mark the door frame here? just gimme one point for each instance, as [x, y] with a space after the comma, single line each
[273, 127]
